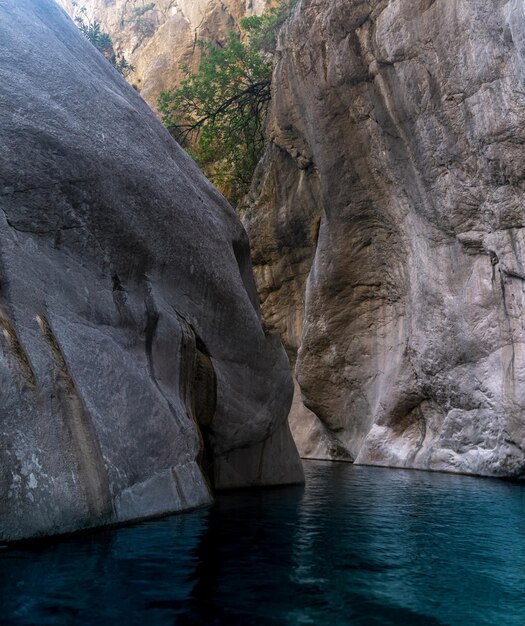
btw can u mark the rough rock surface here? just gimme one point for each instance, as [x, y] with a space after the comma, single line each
[128, 309]
[400, 124]
[159, 37]
[282, 219]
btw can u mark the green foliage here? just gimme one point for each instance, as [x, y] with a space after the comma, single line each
[102, 42]
[122, 65]
[218, 113]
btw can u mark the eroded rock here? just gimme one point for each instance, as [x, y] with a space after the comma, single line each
[411, 115]
[128, 308]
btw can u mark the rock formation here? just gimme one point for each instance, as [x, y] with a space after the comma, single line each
[391, 202]
[159, 37]
[132, 353]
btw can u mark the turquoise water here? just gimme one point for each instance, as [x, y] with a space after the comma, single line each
[355, 546]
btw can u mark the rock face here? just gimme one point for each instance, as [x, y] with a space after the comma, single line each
[132, 353]
[159, 37]
[398, 127]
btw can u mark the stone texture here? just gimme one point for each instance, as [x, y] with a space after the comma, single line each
[159, 37]
[400, 126]
[282, 217]
[128, 308]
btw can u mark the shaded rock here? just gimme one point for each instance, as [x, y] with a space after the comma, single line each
[282, 217]
[411, 115]
[127, 305]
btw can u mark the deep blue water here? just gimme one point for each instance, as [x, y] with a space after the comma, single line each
[355, 546]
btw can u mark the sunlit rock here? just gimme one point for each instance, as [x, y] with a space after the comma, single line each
[160, 37]
[397, 161]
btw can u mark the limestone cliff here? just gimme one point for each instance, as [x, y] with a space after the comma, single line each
[391, 203]
[159, 37]
[132, 354]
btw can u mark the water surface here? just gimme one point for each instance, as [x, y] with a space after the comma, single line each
[357, 545]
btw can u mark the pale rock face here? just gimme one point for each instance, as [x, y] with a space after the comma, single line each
[130, 326]
[399, 128]
[159, 37]
[282, 219]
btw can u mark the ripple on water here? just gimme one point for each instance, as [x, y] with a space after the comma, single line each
[357, 545]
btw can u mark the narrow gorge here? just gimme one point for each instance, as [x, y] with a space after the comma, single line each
[385, 222]
[275, 354]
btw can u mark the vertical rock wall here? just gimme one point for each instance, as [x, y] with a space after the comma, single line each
[398, 126]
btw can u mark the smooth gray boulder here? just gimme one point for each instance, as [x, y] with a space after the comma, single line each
[132, 354]
[398, 125]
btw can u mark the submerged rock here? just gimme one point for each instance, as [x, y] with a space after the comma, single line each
[398, 128]
[132, 353]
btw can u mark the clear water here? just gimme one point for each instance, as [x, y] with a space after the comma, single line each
[355, 546]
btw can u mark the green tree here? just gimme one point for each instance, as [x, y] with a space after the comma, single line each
[102, 42]
[218, 113]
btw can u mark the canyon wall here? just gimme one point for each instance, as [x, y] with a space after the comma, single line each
[159, 37]
[134, 367]
[385, 219]
[388, 227]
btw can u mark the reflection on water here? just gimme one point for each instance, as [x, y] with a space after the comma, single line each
[357, 546]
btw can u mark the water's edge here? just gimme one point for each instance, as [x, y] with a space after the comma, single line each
[356, 545]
